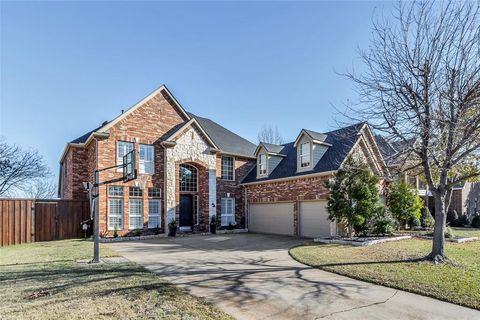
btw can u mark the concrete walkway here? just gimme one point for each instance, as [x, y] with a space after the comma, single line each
[251, 276]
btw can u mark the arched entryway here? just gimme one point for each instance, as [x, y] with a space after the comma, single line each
[188, 187]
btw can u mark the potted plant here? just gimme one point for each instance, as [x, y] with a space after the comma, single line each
[172, 228]
[213, 224]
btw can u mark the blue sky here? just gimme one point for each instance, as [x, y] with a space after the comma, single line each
[68, 66]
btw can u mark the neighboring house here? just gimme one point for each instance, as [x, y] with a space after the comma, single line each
[286, 191]
[192, 165]
[465, 196]
[195, 169]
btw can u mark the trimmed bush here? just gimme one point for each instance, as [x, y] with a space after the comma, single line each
[476, 221]
[449, 234]
[463, 221]
[427, 220]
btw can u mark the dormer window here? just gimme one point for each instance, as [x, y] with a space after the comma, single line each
[305, 157]
[262, 164]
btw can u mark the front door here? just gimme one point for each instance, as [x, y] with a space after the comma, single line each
[186, 211]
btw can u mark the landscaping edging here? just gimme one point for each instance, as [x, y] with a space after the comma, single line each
[360, 243]
[458, 240]
[164, 235]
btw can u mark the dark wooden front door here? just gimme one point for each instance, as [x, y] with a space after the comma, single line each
[186, 211]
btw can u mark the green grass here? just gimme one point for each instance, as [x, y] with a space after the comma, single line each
[388, 264]
[104, 291]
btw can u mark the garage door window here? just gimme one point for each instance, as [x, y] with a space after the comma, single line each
[228, 211]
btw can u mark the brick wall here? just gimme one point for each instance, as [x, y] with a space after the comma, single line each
[242, 167]
[146, 125]
[75, 162]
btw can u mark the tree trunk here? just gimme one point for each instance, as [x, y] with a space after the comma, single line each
[438, 249]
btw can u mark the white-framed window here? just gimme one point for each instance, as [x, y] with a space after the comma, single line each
[154, 207]
[136, 214]
[305, 158]
[262, 164]
[188, 178]
[115, 213]
[228, 168]
[123, 148]
[228, 211]
[145, 159]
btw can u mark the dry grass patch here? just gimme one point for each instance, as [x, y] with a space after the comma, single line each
[64, 289]
[391, 264]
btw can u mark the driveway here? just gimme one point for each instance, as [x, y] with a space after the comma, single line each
[251, 276]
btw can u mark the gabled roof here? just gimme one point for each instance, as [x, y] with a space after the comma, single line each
[191, 122]
[227, 141]
[341, 142]
[316, 137]
[219, 137]
[274, 149]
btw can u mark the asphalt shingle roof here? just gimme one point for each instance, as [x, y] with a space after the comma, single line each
[225, 139]
[273, 148]
[316, 135]
[342, 141]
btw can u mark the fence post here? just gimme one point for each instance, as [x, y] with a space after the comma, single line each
[32, 221]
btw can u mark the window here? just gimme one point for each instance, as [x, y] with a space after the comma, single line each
[135, 192]
[115, 207]
[145, 161]
[262, 164]
[228, 168]
[115, 191]
[196, 212]
[188, 178]
[421, 184]
[228, 211]
[122, 149]
[305, 155]
[136, 214]
[154, 213]
[154, 192]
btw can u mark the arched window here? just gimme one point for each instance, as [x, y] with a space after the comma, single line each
[188, 178]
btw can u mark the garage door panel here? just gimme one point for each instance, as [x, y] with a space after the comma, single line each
[275, 218]
[314, 220]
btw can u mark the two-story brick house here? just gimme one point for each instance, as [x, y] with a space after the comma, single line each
[194, 169]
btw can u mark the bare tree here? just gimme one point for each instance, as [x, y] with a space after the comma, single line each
[270, 135]
[41, 189]
[18, 167]
[421, 87]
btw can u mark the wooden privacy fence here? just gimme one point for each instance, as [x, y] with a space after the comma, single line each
[27, 220]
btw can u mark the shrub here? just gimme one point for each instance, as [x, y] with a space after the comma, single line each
[156, 230]
[403, 202]
[353, 195]
[476, 221]
[427, 220]
[384, 226]
[415, 222]
[452, 218]
[137, 232]
[115, 233]
[449, 234]
[463, 221]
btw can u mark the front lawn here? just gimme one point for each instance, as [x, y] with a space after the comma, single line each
[64, 289]
[387, 264]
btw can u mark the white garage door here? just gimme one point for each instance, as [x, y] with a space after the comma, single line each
[274, 218]
[314, 222]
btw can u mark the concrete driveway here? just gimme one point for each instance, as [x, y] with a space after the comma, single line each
[251, 276]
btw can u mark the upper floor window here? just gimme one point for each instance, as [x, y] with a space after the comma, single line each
[305, 159]
[123, 148]
[227, 168]
[188, 178]
[135, 192]
[145, 161]
[262, 164]
[154, 192]
[115, 191]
